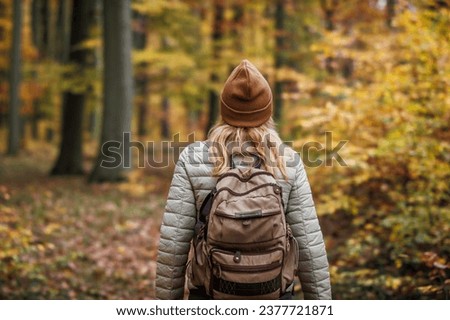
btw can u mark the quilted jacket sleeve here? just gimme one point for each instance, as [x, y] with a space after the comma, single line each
[177, 230]
[301, 216]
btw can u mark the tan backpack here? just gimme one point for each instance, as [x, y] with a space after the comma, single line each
[243, 248]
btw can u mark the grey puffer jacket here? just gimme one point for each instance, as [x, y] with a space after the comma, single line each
[191, 183]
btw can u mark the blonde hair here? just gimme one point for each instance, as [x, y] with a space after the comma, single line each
[262, 141]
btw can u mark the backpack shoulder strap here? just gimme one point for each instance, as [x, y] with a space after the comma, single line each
[205, 208]
[206, 205]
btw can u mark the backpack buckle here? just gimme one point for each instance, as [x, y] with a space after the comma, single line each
[237, 257]
[277, 189]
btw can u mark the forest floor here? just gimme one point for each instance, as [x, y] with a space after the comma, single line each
[71, 239]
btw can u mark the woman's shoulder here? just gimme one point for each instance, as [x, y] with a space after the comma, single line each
[291, 158]
[196, 153]
[197, 165]
[292, 161]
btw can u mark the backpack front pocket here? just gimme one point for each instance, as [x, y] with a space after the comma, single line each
[247, 275]
[247, 223]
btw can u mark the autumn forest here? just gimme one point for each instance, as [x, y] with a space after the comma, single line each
[361, 92]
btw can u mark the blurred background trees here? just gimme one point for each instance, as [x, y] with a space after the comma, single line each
[73, 104]
[117, 84]
[374, 73]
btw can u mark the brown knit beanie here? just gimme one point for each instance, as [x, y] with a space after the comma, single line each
[246, 99]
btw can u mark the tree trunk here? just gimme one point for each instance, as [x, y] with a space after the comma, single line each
[237, 26]
[37, 35]
[165, 126]
[118, 92]
[165, 100]
[43, 22]
[217, 35]
[390, 12]
[51, 29]
[142, 80]
[142, 109]
[280, 57]
[39, 25]
[63, 24]
[37, 22]
[329, 10]
[70, 159]
[94, 62]
[213, 100]
[14, 82]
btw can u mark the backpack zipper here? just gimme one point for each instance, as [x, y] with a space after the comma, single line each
[246, 253]
[246, 192]
[233, 174]
[263, 214]
[267, 267]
